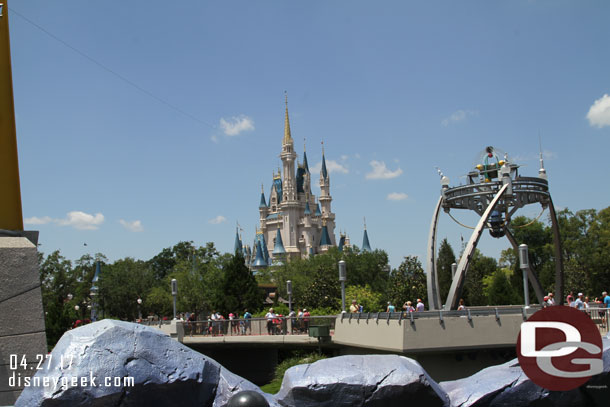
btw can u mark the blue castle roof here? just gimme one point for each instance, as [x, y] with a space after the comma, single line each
[366, 247]
[279, 245]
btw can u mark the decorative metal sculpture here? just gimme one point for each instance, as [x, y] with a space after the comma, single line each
[495, 191]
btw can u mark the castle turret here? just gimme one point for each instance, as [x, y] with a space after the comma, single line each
[288, 157]
[259, 260]
[238, 246]
[366, 246]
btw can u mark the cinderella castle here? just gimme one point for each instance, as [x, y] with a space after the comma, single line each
[293, 222]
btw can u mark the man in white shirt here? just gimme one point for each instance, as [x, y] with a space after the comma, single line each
[420, 305]
[270, 317]
[579, 304]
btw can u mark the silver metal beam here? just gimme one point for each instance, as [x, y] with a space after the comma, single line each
[431, 275]
[458, 280]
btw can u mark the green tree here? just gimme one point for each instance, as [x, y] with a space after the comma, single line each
[539, 240]
[323, 289]
[498, 289]
[58, 281]
[239, 287]
[364, 267]
[121, 284]
[480, 267]
[370, 300]
[445, 259]
[408, 282]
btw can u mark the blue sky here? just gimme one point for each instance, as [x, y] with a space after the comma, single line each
[178, 146]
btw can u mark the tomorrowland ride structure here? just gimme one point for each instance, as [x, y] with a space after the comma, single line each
[495, 191]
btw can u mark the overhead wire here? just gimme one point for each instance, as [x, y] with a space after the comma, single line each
[111, 71]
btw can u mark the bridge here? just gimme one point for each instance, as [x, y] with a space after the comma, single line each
[449, 344]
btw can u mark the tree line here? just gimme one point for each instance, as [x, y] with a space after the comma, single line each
[209, 280]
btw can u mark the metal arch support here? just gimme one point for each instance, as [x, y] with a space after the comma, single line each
[558, 254]
[458, 280]
[530, 272]
[432, 277]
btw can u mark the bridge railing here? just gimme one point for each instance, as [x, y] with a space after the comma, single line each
[257, 326]
[599, 315]
[469, 312]
[597, 312]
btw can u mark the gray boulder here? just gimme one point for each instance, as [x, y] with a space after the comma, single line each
[355, 380]
[507, 385]
[164, 372]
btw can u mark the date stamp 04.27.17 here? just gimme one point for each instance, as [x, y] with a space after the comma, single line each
[21, 374]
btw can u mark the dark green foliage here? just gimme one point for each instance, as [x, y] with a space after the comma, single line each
[407, 283]
[480, 268]
[58, 281]
[324, 290]
[445, 258]
[120, 286]
[498, 289]
[239, 287]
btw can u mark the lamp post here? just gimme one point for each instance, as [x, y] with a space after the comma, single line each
[174, 293]
[453, 269]
[342, 277]
[289, 291]
[524, 264]
[139, 309]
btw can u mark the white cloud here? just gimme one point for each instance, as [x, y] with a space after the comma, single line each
[380, 171]
[397, 196]
[599, 112]
[344, 157]
[214, 138]
[217, 220]
[37, 221]
[458, 116]
[236, 125]
[357, 155]
[81, 220]
[332, 166]
[134, 226]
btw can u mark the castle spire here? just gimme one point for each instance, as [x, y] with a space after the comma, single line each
[366, 246]
[287, 136]
[238, 246]
[263, 203]
[324, 171]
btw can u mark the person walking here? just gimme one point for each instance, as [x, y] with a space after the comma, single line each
[270, 316]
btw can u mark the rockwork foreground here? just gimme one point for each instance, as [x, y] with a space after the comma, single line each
[114, 363]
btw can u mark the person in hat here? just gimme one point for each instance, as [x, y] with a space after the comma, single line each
[579, 304]
[420, 305]
[270, 316]
[354, 308]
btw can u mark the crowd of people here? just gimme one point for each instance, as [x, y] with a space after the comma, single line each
[406, 307]
[580, 301]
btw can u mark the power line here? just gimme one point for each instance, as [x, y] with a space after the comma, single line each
[118, 75]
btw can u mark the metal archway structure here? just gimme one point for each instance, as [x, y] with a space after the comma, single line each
[495, 192]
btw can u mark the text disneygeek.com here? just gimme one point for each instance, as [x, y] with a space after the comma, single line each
[65, 382]
[19, 363]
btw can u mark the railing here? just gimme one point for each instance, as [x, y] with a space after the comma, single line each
[155, 322]
[440, 314]
[257, 326]
[599, 315]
